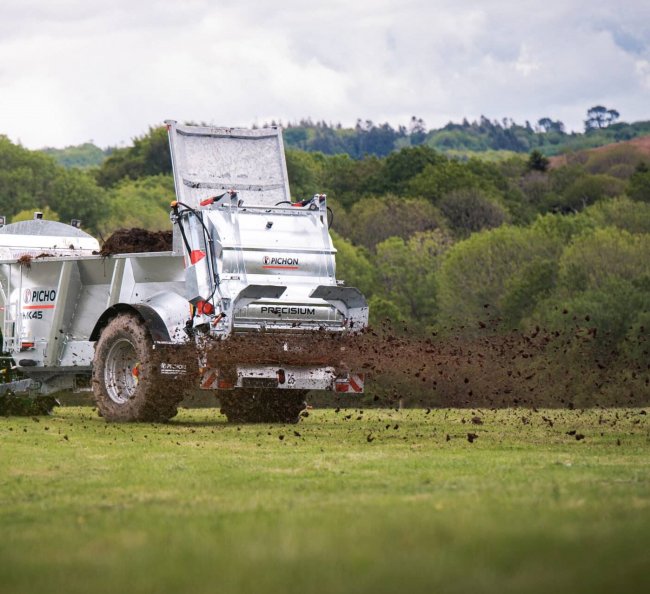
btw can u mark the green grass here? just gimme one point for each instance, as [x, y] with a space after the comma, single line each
[201, 506]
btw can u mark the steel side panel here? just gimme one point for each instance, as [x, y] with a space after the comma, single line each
[85, 287]
[78, 355]
[67, 293]
[91, 305]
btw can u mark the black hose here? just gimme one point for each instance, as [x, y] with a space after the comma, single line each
[187, 243]
[208, 243]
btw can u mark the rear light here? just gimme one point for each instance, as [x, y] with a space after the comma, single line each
[205, 307]
[281, 376]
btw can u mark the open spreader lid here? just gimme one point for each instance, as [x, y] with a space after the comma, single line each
[209, 161]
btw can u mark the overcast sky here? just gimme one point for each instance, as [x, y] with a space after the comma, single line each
[79, 70]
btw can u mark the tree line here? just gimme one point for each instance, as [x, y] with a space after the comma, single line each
[601, 127]
[494, 139]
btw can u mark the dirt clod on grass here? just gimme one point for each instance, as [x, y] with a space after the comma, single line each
[17, 405]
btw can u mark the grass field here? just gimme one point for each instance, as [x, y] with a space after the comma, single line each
[383, 501]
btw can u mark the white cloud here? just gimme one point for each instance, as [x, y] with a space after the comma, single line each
[642, 68]
[73, 70]
[525, 63]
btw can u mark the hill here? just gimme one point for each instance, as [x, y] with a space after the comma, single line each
[626, 151]
[82, 156]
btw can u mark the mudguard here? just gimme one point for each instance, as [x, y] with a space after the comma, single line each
[164, 314]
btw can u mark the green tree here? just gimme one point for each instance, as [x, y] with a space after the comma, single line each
[620, 212]
[75, 195]
[477, 273]
[638, 187]
[82, 156]
[560, 230]
[536, 190]
[25, 178]
[592, 259]
[586, 190]
[353, 266]
[401, 166]
[348, 180]
[599, 117]
[527, 286]
[407, 271]
[383, 310]
[603, 283]
[372, 220]
[537, 161]
[417, 130]
[549, 125]
[438, 180]
[30, 180]
[305, 171]
[149, 155]
[140, 203]
[471, 210]
[611, 309]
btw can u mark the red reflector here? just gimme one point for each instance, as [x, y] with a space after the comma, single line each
[209, 378]
[224, 384]
[342, 386]
[356, 382]
[196, 255]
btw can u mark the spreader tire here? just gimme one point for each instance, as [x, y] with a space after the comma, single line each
[263, 406]
[127, 383]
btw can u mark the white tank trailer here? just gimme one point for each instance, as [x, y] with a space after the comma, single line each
[245, 261]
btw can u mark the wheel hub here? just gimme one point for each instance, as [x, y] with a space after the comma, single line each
[122, 371]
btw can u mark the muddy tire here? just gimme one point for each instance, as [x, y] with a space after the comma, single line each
[263, 406]
[126, 380]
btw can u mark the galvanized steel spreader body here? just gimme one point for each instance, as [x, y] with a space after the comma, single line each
[245, 259]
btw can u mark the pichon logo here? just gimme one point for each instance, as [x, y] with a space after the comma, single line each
[280, 261]
[39, 295]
